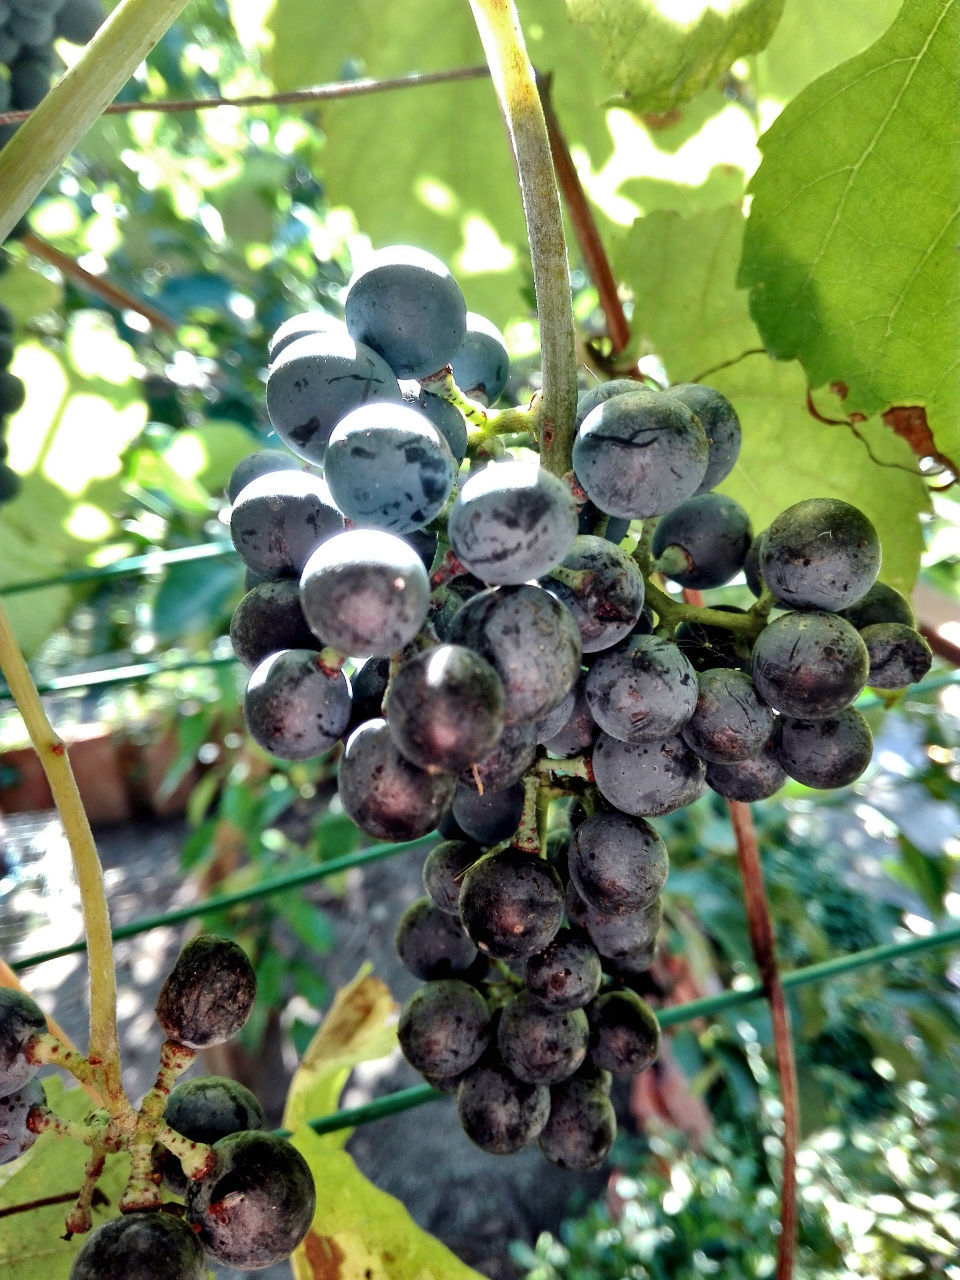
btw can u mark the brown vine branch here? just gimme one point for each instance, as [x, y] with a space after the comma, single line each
[764, 952]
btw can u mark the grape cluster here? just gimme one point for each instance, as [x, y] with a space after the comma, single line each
[12, 395]
[21, 1021]
[510, 649]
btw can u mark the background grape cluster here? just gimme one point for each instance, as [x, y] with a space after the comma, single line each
[28, 29]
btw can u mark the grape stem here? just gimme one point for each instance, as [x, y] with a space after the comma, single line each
[672, 612]
[516, 88]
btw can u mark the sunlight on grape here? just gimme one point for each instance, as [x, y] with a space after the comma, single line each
[483, 249]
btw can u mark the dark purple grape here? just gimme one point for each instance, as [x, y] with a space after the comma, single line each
[639, 454]
[444, 708]
[511, 904]
[205, 1109]
[446, 601]
[647, 779]
[15, 1134]
[256, 1204]
[809, 665]
[444, 1028]
[294, 706]
[490, 817]
[602, 392]
[617, 863]
[278, 520]
[703, 542]
[643, 690]
[443, 869]
[21, 1020]
[751, 564]
[260, 463]
[616, 934]
[208, 994]
[539, 1045]
[566, 974]
[579, 730]
[498, 1112]
[721, 424]
[303, 325]
[509, 760]
[825, 753]
[615, 530]
[431, 943]
[820, 554]
[149, 1245]
[607, 598]
[267, 619]
[899, 655]
[368, 684]
[386, 795]
[581, 1126]
[512, 521]
[481, 366]
[756, 778]
[706, 646]
[880, 604]
[731, 721]
[624, 1033]
[445, 416]
[555, 720]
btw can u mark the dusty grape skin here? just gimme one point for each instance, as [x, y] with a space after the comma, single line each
[607, 604]
[581, 1126]
[538, 1045]
[15, 1107]
[507, 762]
[603, 391]
[643, 690]
[294, 707]
[20, 1020]
[302, 325]
[443, 870]
[899, 655]
[269, 618]
[386, 795]
[820, 554]
[481, 366]
[316, 381]
[825, 753]
[512, 521]
[617, 935]
[431, 943]
[555, 720]
[881, 603]
[279, 520]
[256, 1204]
[205, 1109]
[365, 592]
[712, 533]
[756, 778]
[579, 730]
[511, 904]
[498, 1112]
[491, 817]
[152, 1245]
[566, 974]
[444, 1028]
[444, 708]
[617, 863]
[446, 417]
[208, 994]
[647, 779]
[639, 454]
[731, 721]
[529, 638]
[260, 463]
[721, 425]
[624, 1033]
[809, 665]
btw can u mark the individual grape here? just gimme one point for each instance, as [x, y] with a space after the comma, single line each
[880, 604]
[13, 393]
[431, 943]
[601, 393]
[303, 325]
[278, 520]
[446, 602]
[316, 381]
[10, 483]
[820, 554]
[29, 79]
[643, 690]
[703, 542]
[407, 306]
[446, 417]
[706, 646]
[365, 592]
[389, 467]
[256, 1204]
[150, 1245]
[481, 366]
[21, 1020]
[624, 1033]
[79, 20]
[825, 753]
[616, 935]
[444, 1028]
[538, 1045]
[617, 863]
[443, 869]
[647, 779]
[730, 721]
[809, 665]
[260, 463]
[267, 619]
[602, 586]
[511, 904]
[512, 521]
[721, 424]
[556, 719]
[368, 684]
[205, 1109]
[590, 517]
[640, 454]
[425, 543]
[386, 795]
[498, 1112]
[444, 708]
[208, 994]
[899, 655]
[507, 762]
[756, 778]
[530, 639]
[491, 816]
[581, 1126]
[579, 731]
[16, 1136]
[751, 564]
[294, 706]
[566, 974]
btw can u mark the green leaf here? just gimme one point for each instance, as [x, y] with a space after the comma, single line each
[928, 877]
[660, 56]
[689, 311]
[850, 251]
[191, 595]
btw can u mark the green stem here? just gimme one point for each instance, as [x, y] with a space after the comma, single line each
[40, 146]
[515, 84]
[671, 612]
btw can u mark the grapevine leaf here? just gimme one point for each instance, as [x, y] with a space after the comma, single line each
[850, 250]
[660, 57]
[689, 311]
